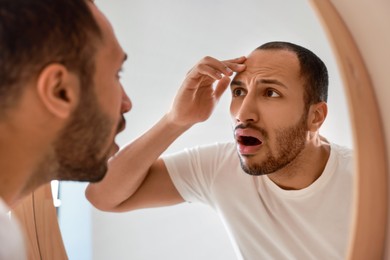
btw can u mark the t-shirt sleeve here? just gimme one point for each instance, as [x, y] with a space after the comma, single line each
[192, 172]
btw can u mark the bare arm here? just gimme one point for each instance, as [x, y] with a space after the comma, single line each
[137, 177]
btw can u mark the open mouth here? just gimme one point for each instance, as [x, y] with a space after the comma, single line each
[248, 140]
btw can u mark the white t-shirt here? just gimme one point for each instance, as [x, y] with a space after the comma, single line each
[263, 220]
[11, 238]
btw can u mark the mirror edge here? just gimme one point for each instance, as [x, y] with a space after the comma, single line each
[37, 216]
[367, 239]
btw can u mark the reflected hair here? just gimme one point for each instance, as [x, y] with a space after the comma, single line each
[37, 33]
[312, 69]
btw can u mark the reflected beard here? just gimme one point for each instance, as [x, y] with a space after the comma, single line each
[78, 149]
[290, 142]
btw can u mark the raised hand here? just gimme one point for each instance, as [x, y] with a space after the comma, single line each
[137, 177]
[197, 97]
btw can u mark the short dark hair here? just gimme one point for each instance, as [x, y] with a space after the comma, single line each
[36, 33]
[312, 68]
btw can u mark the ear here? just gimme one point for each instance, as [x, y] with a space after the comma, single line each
[58, 90]
[317, 115]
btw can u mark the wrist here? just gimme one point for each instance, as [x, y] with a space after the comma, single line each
[176, 125]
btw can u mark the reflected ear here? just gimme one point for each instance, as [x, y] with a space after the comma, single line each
[317, 115]
[58, 90]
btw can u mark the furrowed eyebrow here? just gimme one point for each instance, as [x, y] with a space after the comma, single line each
[260, 81]
[237, 83]
[271, 81]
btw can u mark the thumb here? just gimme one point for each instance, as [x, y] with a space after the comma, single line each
[221, 87]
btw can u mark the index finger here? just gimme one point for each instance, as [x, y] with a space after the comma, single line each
[236, 65]
[239, 60]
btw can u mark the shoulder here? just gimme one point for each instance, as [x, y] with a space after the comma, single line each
[215, 150]
[224, 146]
[342, 151]
[343, 157]
[204, 158]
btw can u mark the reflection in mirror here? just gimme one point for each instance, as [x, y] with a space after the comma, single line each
[163, 40]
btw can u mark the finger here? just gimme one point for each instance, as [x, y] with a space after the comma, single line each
[214, 71]
[236, 67]
[219, 66]
[237, 64]
[221, 87]
[241, 59]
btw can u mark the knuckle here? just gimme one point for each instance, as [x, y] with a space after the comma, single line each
[207, 58]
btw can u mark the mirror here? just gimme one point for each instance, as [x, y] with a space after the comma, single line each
[366, 83]
[163, 41]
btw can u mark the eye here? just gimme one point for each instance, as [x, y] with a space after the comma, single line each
[271, 93]
[237, 92]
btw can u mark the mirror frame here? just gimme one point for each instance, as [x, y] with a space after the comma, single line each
[37, 217]
[367, 239]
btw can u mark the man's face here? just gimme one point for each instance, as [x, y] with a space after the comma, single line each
[83, 149]
[268, 111]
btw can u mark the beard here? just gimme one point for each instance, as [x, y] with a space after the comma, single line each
[78, 153]
[290, 142]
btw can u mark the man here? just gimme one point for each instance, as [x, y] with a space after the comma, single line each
[61, 100]
[295, 200]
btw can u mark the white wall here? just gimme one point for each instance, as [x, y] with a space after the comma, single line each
[164, 39]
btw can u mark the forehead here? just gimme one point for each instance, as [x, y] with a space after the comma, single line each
[279, 64]
[110, 47]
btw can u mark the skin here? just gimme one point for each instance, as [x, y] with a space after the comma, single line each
[137, 177]
[31, 129]
[83, 154]
[267, 100]
[111, 95]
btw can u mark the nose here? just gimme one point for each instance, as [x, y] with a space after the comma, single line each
[246, 110]
[126, 102]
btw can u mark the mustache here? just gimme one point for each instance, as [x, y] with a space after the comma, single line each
[251, 126]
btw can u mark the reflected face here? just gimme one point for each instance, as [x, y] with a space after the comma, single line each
[268, 111]
[86, 144]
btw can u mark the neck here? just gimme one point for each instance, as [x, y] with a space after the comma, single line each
[13, 176]
[306, 168]
[19, 157]
[27, 131]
